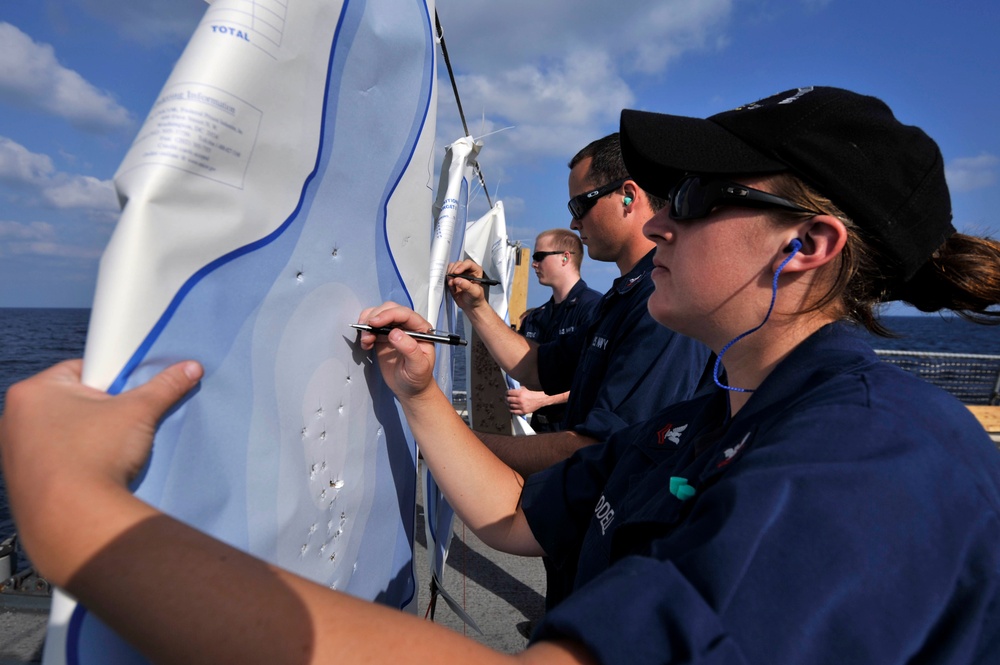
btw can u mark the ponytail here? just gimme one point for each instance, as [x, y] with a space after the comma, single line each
[963, 275]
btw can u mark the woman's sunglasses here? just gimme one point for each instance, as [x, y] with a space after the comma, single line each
[694, 197]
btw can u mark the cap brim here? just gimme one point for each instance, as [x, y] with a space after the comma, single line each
[658, 149]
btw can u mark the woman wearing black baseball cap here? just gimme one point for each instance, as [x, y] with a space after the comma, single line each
[846, 184]
[818, 506]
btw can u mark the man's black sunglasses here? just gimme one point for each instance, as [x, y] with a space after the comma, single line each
[694, 197]
[580, 204]
[538, 257]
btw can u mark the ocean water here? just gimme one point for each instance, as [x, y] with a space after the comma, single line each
[33, 339]
[30, 341]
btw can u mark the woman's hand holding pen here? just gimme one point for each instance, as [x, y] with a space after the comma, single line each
[407, 365]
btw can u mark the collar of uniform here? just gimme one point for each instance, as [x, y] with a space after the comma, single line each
[574, 293]
[639, 271]
[833, 349]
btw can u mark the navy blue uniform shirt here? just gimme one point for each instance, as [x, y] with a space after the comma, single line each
[551, 321]
[625, 366]
[849, 513]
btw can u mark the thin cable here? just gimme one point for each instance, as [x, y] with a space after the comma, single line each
[451, 74]
[796, 245]
[458, 100]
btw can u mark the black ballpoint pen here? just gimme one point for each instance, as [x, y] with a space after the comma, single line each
[478, 280]
[454, 340]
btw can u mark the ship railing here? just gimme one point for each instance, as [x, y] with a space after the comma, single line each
[460, 400]
[972, 378]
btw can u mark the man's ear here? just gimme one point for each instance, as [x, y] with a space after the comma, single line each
[821, 239]
[630, 194]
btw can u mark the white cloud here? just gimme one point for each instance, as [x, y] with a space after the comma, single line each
[552, 109]
[82, 192]
[557, 73]
[670, 29]
[50, 249]
[487, 36]
[31, 77]
[967, 173]
[558, 93]
[21, 166]
[513, 205]
[40, 239]
[33, 171]
[30, 231]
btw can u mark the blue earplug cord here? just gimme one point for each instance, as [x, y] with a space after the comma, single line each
[796, 245]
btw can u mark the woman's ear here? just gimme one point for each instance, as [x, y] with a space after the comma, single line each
[819, 240]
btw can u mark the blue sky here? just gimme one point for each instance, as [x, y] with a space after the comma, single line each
[538, 81]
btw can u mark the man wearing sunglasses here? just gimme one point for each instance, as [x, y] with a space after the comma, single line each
[619, 369]
[624, 365]
[556, 261]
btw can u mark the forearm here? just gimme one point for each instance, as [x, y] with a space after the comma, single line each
[139, 571]
[513, 353]
[531, 454]
[522, 401]
[221, 605]
[224, 606]
[551, 400]
[176, 594]
[462, 466]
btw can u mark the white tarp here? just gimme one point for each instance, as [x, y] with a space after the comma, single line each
[487, 243]
[279, 185]
[451, 205]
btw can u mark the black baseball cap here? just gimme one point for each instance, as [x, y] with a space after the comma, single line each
[886, 176]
